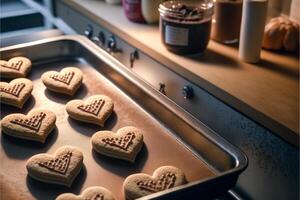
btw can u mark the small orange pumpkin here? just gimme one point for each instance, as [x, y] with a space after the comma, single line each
[280, 33]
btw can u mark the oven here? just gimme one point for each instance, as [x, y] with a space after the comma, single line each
[251, 162]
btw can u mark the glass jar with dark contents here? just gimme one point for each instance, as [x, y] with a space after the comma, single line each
[185, 25]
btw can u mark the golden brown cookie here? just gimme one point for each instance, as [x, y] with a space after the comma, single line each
[96, 109]
[16, 67]
[67, 81]
[125, 144]
[60, 168]
[163, 178]
[36, 125]
[91, 193]
[16, 92]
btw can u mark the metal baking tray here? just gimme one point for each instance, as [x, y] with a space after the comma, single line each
[172, 136]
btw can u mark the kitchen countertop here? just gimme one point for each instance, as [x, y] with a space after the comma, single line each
[267, 92]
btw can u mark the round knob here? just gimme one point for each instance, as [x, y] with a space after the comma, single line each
[162, 88]
[133, 56]
[100, 39]
[88, 32]
[112, 44]
[187, 92]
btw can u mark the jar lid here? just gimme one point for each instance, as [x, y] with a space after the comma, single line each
[187, 10]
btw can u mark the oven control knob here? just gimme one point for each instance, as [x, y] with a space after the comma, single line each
[162, 88]
[100, 39]
[88, 32]
[112, 44]
[187, 92]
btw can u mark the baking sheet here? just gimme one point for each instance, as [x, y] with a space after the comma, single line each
[160, 147]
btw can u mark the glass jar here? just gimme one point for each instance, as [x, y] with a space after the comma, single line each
[150, 10]
[185, 25]
[133, 10]
[226, 22]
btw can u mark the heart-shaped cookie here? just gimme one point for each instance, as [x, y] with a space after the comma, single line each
[61, 169]
[125, 144]
[91, 193]
[96, 109]
[67, 81]
[163, 178]
[15, 68]
[16, 92]
[36, 125]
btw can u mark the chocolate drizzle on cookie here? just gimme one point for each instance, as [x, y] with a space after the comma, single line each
[14, 90]
[96, 197]
[60, 164]
[15, 66]
[66, 78]
[166, 181]
[93, 108]
[33, 123]
[120, 142]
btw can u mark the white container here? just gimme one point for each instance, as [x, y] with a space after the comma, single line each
[113, 1]
[295, 10]
[252, 29]
[150, 10]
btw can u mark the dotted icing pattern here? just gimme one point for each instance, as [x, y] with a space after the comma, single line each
[33, 123]
[121, 142]
[166, 181]
[59, 164]
[96, 197]
[93, 108]
[66, 78]
[15, 66]
[14, 90]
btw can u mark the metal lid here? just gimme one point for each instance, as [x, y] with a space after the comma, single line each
[187, 10]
